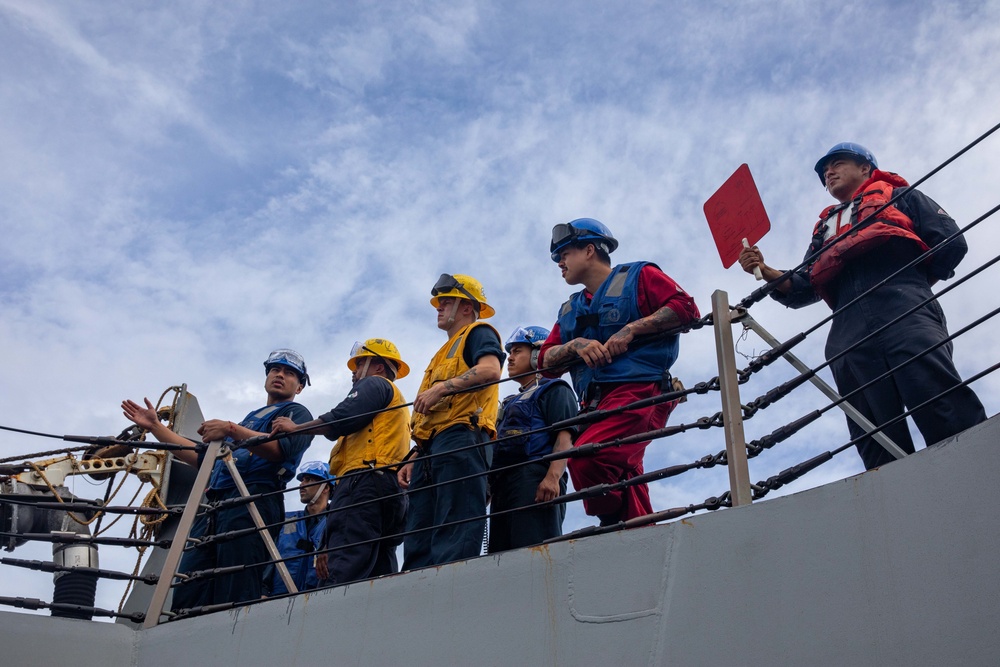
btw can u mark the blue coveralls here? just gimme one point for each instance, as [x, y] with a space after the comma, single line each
[452, 501]
[301, 537]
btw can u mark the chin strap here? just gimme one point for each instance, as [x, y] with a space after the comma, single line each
[454, 312]
[319, 492]
[534, 382]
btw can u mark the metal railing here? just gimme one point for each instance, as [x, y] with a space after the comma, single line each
[64, 520]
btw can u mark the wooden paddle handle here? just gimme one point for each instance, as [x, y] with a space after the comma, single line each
[756, 269]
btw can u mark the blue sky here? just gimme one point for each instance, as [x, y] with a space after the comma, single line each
[185, 187]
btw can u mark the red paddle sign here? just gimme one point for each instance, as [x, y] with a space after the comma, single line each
[734, 213]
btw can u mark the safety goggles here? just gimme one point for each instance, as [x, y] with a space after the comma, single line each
[522, 335]
[447, 283]
[290, 358]
[359, 349]
[562, 234]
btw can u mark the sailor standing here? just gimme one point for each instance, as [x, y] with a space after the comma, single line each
[849, 267]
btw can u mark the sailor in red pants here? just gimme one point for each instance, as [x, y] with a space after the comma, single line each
[596, 326]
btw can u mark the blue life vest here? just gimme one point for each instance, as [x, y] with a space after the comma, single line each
[294, 540]
[521, 414]
[615, 304]
[255, 469]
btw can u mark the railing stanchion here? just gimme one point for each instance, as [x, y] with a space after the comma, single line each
[258, 521]
[732, 410]
[173, 559]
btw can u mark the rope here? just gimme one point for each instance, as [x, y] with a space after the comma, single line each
[641, 340]
[47, 566]
[74, 538]
[582, 419]
[775, 482]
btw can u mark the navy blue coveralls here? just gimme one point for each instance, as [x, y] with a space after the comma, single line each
[453, 501]
[919, 381]
[374, 505]
[260, 476]
[548, 402]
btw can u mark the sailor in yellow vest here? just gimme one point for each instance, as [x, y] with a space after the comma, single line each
[448, 419]
[372, 430]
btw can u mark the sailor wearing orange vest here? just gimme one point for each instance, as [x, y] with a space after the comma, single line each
[372, 430]
[852, 265]
[448, 419]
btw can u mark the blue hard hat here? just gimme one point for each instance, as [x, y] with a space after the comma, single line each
[290, 358]
[847, 149]
[316, 469]
[581, 230]
[533, 336]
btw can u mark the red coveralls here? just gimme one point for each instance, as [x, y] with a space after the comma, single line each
[613, 464]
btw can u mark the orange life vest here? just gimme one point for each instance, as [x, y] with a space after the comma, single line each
[889, 222]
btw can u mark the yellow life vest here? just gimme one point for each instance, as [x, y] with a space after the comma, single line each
[474, 408]
[384, 441]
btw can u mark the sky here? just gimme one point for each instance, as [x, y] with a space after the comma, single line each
[186, 186]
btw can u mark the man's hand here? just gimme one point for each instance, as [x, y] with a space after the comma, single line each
[142, 417]
[146, 417]
[547, 489]
[322, 571]
[430, 397]
[618, 343]
[404, 476]
[593, 352]
[751, 258]
[214, 429]
[282, 425]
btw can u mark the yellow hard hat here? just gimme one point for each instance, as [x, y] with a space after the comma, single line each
[380, 349]
[462, 287]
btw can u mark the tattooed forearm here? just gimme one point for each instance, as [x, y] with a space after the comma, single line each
[466, 379]
[559, 354]
[661, 320]
[486, 370]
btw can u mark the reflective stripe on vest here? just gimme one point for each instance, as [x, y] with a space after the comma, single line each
[615, 304]
[383, 441]
[473, 408]
[521, 415]
[889, 223]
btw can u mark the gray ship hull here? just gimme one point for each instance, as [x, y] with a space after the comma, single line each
[894, 566]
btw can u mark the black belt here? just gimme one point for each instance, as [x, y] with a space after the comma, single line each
[354, 471]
